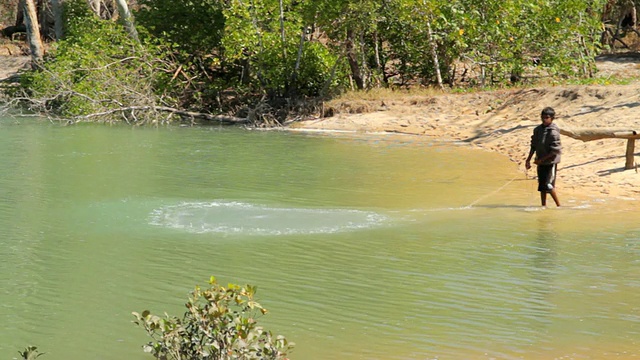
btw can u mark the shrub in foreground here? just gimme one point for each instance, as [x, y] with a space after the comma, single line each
[219, 324]
[30, 353]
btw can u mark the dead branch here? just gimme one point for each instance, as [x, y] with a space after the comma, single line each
[221, 119]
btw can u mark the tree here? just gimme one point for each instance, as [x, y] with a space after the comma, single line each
[33, 32]
[57, 9]
[98, 68]
[127, 19]
[96, 6]
[274, 52]
[193, 27]
[351, 25]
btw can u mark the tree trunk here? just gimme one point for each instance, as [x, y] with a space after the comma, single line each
[44, 26]
[96, 6]
[434, 54]
[246, 71]
[352, 57]
[379, 69]
[127, 18]
[294, 74]
[327, 83]
[33, 32]
[282, 33]
[58, 26]
[284, 46]
[20, 13]
[364, 72]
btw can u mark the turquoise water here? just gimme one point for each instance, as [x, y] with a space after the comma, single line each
[362, 247]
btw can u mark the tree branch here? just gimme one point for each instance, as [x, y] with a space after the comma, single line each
[221, 119]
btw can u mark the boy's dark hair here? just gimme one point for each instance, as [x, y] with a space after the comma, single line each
[548, 111]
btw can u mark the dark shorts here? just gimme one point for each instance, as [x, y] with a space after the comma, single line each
[547, 177]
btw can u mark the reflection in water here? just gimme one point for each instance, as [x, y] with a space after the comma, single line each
[543, 267]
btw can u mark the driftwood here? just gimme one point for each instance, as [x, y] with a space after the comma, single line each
[221, 119]
[590, 134]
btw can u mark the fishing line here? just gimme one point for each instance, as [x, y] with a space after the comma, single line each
[491, 193]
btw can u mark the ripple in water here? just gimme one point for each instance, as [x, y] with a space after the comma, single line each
[232, 217]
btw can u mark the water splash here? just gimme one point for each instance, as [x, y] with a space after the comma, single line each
[232, 217]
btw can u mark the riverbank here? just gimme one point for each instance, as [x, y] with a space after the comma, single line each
[502, 121]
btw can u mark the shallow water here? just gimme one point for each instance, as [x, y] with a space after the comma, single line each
[362, 247]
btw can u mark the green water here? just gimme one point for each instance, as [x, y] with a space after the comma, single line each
[361, 247]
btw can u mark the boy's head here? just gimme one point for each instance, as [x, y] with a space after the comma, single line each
[547, 115]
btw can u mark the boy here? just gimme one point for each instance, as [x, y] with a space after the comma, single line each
[545, 143]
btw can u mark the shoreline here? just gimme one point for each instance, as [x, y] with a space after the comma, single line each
[502, 122]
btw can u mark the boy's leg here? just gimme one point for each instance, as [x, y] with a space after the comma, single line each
[543, 175]
[555, 197]
[546, 183]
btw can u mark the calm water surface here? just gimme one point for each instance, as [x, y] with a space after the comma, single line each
[361, 247]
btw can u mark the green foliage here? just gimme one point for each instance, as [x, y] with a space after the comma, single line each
[503, 36]
[195, 51]
[220, 323]
[600, 81]
[97, 68]
[409, 48]
[194, 26]
[77, 17]
[253, 44]
[242, 33]
[317, 72]
[495, 37]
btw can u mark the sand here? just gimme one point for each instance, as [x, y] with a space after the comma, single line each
[11, 65]
[503, 121]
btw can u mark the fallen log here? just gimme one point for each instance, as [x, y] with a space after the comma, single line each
[590, 134]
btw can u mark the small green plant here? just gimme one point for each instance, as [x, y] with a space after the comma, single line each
[219, 324]
[30, 353]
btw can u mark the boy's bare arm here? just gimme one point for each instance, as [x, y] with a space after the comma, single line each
[527, 163]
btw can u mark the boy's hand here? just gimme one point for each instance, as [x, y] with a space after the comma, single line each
[527, 165]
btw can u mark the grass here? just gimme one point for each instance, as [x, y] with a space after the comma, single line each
[361, 102]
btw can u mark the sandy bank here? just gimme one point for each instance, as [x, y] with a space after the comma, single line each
[502, 121]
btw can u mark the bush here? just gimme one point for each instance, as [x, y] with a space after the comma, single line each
[220, 323]
[99, 69]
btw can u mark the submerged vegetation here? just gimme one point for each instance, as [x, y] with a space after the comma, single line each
[259, 62]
